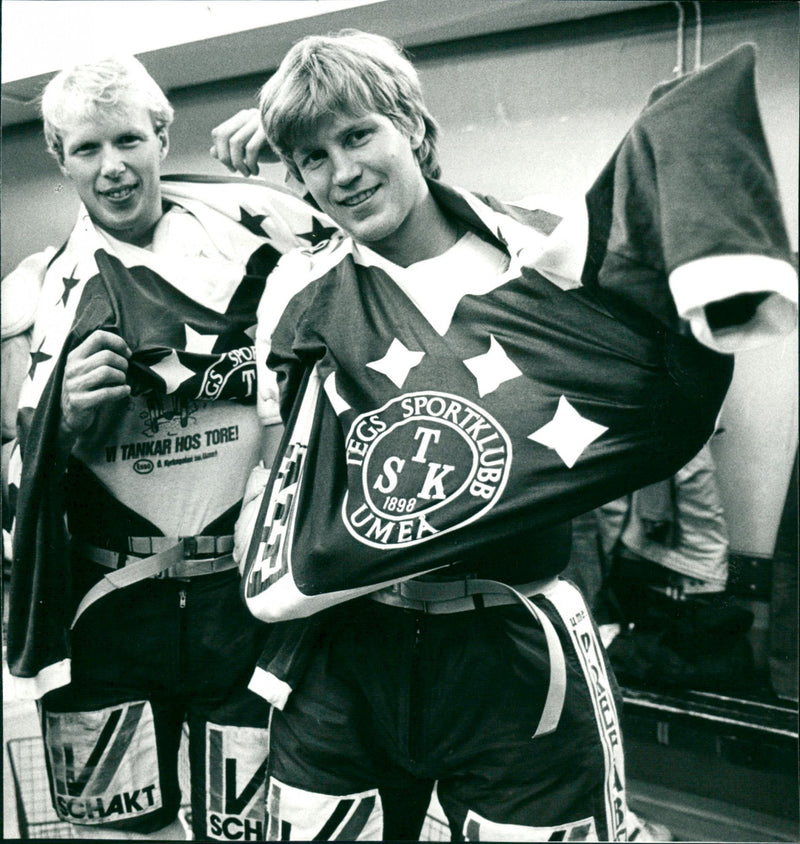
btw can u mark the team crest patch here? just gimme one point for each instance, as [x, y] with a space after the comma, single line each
[423, 464]
[232, 373]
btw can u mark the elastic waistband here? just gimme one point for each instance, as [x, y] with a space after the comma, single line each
[457, 595]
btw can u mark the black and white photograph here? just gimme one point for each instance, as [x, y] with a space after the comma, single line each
[400, 420]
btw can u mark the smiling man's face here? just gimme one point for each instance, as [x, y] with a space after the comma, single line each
[363, 172]
[114, 160]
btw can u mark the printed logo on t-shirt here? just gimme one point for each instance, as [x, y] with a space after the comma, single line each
[167, 414]
[170, 436]
[422, 464]
[200, 455]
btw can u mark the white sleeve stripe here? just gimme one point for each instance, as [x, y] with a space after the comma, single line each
[717, 277]
[50, 677]
[269, 687]
[698, 283]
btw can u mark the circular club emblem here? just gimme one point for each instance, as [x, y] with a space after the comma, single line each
[423, 464]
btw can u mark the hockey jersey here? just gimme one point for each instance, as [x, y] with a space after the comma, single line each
[173, 460]
[456, 430]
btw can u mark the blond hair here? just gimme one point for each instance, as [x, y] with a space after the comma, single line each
[349, 72]
[107, 85]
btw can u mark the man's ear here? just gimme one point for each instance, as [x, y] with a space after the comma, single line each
[417, 132]
[163, 138]
[58, 154]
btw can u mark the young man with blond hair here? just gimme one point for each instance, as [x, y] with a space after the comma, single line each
[459, 378]
[137, 428]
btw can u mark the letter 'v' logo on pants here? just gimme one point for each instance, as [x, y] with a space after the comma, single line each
[236, 772]
[115, 737]
[103, 763]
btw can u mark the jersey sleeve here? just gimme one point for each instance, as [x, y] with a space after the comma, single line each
[694, 232]
[274, 335]
[20, 293]
[290, 291]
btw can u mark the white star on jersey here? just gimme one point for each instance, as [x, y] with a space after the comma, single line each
[201, 343]
[397, 363]
[172, 371]
[492, 368]
[568, 433]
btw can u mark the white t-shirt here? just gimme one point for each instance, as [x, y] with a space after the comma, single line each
[179, 464]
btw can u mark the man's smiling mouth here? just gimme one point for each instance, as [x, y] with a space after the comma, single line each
[358, 198]
[119, 193]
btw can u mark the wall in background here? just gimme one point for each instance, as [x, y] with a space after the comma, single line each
[536, 111]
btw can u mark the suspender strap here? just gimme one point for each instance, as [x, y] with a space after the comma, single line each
[172, 558]
[457, 595]
[557, 687]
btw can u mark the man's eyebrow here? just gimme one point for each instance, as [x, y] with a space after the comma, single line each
[353, 122]
[81, 142]
[301, 149]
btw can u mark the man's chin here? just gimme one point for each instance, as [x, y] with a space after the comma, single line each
[370, 234]
[128, 231]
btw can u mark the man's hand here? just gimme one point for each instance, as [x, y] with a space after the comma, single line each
[94, 376]
[240, 143]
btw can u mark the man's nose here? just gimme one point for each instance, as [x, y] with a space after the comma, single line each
[346, 168]
[113, 165]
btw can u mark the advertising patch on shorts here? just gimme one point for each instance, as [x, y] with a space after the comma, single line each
[236, 775]
[477, 828]
[104, 763]
[299, 815]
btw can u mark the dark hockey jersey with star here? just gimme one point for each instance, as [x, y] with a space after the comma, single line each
[173, 459]
[463, 433]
